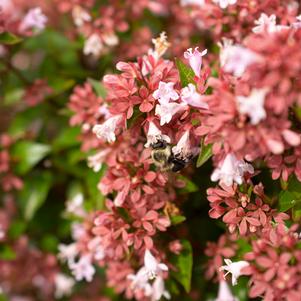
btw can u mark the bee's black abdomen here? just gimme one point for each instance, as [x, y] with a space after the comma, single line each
[159, 145]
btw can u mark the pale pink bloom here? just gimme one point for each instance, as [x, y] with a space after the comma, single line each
[67, 253]
[6, 5]
[165, 93]
[106, 130]
[140, 281]
[265, 23]
[34, 19]
[152, 266]
[195, 59]
[63, 285]
[291, 137]
[191, 97]
[231, 170]
[275, 146]
[154, 135]
[253, 105]
[158, 290]
[77, 230]
[236, 58]
[2, 232]
[297, 24]
[224, 292]
[80, 16]
[83, 269]
[168, 110]
[199, 3]
[74, 206]
[110, 39]
[234, 268]
[96, 247]
[93, 45]
[95, 161]
[183, 148]
[224, 3]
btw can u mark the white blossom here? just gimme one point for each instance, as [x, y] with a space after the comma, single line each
[93, 45]
[224, 292]
[77, 230]
[80, 16]
[160, 46]
[67, 253]
[96, 248]
[224, 3]
[83, 269]
[253, 105]
[199, 3]
[234, 268]
[231, 170]
[152, 266]
[268, 24]
[95, 161]
[63, 285]
[154, 135]
[191, 97]
[236, 58]
[158, 290]
[106, 130]
[34, 19]
[168, 110]
[165, 93]
[74, 206]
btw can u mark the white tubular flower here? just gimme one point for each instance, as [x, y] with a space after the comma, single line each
[191, 97]
[106, 130]
[95, 161]
[80, 16]
[75, 205]
[83, 269]
[231, 170]
[152, 266]
[236, 58]
[96, 247]
[165, 93]
[34, 20]
[67, 253]
[234, 268]
[160, 46]
[158, 290]
[199, 3]
[224, 3]
[253, 105]
[63, 285]
[183, 148]
[167, 111]
[154, 135]
[224, 292]
[93, 45]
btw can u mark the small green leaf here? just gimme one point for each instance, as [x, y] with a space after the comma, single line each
[287, 200]
[34, 193]
[13, 96]
[67, 138]
[28, 154]
[8, 38]
[98, 87]
[186, 73]
[7, 253]
[16, 229]
[205, 154]
[183, 264]
[177, 219]
[189, 185]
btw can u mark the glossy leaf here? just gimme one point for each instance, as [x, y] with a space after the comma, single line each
[205, 154]
[186, 73]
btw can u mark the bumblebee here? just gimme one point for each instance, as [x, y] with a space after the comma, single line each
[164, 158]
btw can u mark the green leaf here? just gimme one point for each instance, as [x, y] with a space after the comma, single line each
[98, 87]
[7, 253]
[8, 38]
[16, 229]
[205, 154]
[34, 193]
[186, 73]
[28, 154]
[177, 219]
[67, 138]
[183, 263]
[189, 185]
[287, 200]
[13, 96]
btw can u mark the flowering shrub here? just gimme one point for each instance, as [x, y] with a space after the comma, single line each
[150, 150]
